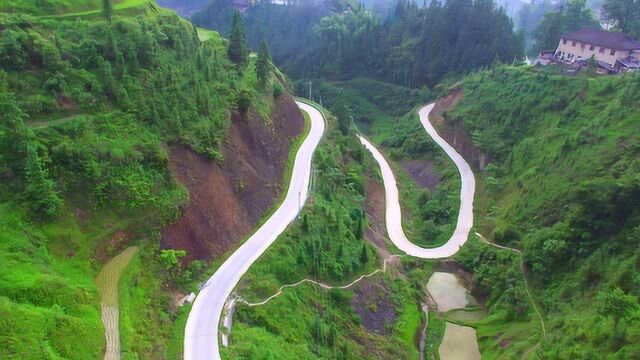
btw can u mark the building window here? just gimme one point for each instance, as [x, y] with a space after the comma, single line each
[601, 50]
[564, 41]
[592, 47]
[573, 43]
[613, 52]
[582, 46]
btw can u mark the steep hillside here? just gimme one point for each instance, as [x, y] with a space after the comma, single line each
[333, 242]
[563, 187]
[102, 123]
[227, 200]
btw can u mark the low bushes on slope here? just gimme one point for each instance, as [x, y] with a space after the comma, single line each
[564, 188]
[86, 108]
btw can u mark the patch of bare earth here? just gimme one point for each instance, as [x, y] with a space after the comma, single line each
[227, 199]
[422, 172]
[454, 133]
[371, 301]
[374, 207]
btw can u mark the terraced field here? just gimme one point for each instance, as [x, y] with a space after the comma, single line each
[107, 282]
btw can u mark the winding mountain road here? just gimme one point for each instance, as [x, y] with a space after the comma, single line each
[201, 333]
[393, 213]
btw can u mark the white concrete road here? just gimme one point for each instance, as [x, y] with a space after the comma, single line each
[394, 214]
[201, 334]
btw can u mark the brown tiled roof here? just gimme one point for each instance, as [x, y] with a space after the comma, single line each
[607, 39]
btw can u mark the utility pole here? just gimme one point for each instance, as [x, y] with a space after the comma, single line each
[310, 90]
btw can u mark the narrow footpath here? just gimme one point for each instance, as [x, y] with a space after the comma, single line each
[107, 282]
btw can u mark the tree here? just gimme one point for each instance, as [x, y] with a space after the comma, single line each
[238, 51]
[14, 134]
[573, 16]
[343, 114]
[171, 258]
[625, 13]
[364, 254]
[11, 54]
[40, 190]
[107, 9]
[263, 65]
[616, 304]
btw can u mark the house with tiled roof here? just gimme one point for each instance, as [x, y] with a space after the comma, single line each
[614, 51]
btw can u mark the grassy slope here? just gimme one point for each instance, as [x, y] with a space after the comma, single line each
[564, 188]
[65, 7]
[48, 300]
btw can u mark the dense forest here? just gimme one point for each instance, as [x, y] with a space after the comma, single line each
[413, 47]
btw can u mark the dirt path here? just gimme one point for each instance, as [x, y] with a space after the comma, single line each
[526, 287]
[321, 284]
[107, 282]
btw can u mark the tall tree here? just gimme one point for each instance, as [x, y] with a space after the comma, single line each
[364, 254]
[14, 134]
[571, 17]
[263, 65]
[625, 13]
[343, 114]
[107, 9]
[238, 51]
[40, 190]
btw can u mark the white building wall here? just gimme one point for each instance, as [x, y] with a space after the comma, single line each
[569, 50]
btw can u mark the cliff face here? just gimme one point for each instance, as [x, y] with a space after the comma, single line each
[228, 199]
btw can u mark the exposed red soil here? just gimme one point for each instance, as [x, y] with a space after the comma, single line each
[375, 208]
[371, 301]
[455, 133]
[228, 199]
[422, 172]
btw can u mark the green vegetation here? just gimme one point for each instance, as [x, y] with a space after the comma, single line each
[564, 188]
[625, 14]
[332, 229]
[387, 113]
[325, 244]
[414, 47]
[87, 107]
[238, 52]
[72, 8]
[263, 65]
[573, 16]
